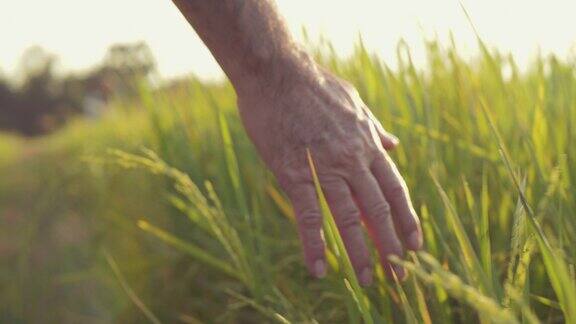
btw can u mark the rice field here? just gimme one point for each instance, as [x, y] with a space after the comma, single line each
[162, 212]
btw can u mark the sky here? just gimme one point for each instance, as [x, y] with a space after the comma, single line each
[80, 31]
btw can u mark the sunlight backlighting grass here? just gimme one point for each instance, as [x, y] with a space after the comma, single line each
[201, 233]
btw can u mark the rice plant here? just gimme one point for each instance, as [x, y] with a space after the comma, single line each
[200, 232]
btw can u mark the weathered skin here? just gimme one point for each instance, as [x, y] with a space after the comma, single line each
[288, 104]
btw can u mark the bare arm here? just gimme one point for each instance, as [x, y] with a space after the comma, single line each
[249, 39]
[288, 104]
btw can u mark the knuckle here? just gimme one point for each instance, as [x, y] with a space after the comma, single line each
[310, 219]
[349, 219]
[293, 185]
[396, 191]
[330, 182]
[379, 210]
[290, 166]
[359, 172]
[348, 154]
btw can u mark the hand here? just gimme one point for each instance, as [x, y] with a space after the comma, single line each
[311, 108]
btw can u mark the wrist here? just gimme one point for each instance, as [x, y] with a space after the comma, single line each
[277, 74]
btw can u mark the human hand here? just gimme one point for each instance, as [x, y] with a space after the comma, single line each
[311, 108]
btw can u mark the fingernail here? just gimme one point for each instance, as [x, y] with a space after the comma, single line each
[414, 240]
[366, 276]
[320, 269]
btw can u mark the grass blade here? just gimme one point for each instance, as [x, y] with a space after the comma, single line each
[336, 242]
[131, 294]
[194, 251]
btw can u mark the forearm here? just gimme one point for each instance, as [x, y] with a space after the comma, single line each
[248, 38]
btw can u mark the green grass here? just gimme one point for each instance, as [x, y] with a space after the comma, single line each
[196, 231]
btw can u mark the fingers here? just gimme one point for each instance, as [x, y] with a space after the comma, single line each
[389, 141]
[378, 219]
[347, 217]
[309, 219]
[395, 191]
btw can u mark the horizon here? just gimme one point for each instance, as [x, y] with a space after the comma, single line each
[538, 27]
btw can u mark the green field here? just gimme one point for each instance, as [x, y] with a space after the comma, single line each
[163, 212]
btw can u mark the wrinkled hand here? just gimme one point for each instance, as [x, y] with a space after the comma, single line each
[362, 185]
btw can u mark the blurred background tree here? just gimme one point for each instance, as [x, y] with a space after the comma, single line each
[38, 100]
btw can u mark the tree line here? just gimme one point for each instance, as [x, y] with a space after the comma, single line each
[38, 100]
